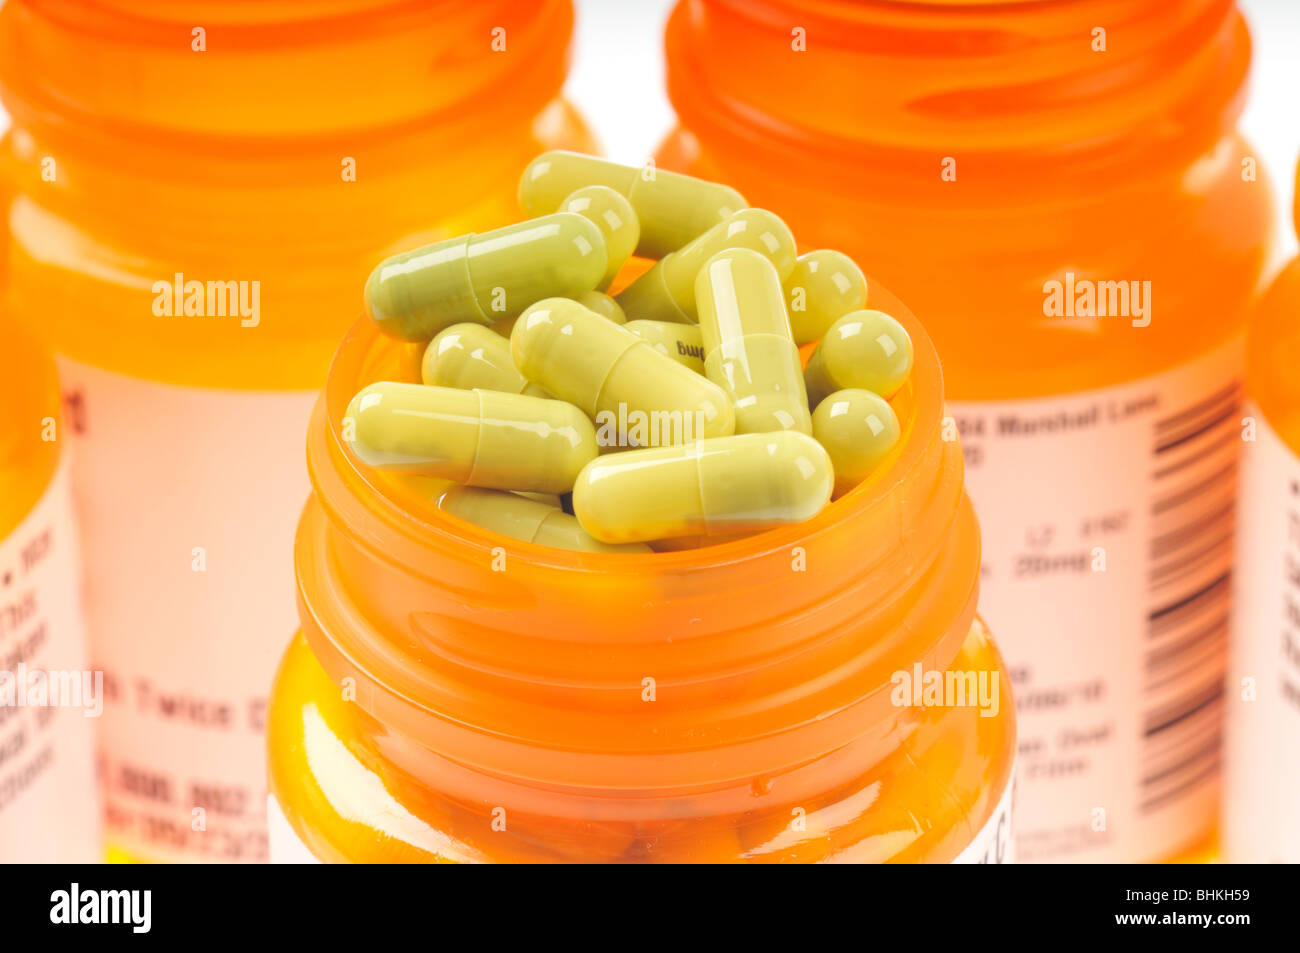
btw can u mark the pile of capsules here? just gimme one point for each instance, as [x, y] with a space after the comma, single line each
[676, 413]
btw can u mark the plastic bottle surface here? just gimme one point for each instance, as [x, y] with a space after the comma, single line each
[1085, 268]
[1261, 809]
[50, 697]
[193, 256]
[521, 697]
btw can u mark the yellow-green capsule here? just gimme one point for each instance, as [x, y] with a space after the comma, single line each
[863, 349]
[512, 515]
[432, 489]
[671, 208]
[858, 429]
[613, 215]
[467, 356]
[823, 286]
[748, 350]
[636, 395]
[479, 437]
[725, 485]
[484, 277]
[682, 342]
[603, 305]
[667, 291]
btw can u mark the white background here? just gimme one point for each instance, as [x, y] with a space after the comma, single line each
[618, 80]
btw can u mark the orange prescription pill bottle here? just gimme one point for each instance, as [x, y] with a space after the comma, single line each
[823, 691]
[1058, 191]
[1261, 810]
[49, 809]
[200, 192]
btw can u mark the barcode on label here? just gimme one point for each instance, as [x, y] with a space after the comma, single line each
[1192, 512]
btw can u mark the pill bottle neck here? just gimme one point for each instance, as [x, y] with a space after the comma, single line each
[210, 123]
[1011, 95]
[239, 76]
[671, 674]
[305, 142]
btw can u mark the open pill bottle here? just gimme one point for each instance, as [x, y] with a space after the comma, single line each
[1059, 191]
[454, 695]
[49, 811]
[198, 193]
[1261, 791]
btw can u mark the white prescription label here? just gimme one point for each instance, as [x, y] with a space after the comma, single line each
[188, 500]
[1107, 522]
[994, 843]
[49, 806]
[1262, 770]
[286, 846]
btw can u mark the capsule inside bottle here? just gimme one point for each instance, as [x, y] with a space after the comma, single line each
[667, 291]
[635, 395]
[467, 356]
[868, 350]
[477, 437]
[858, 430]
[823, 286]
[485, 277]
[733, 484]
[671, 208]
[682, 342]
[613, 215]
[525, 519]
[748, 349]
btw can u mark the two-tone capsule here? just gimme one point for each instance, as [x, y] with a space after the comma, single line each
[636, 395]
[525, 519]
[613, 215]
[724, 485]
[748, 350]
[682, 342]
[667, 291]
[858, 430]
[485, 277]
[671, 208]
[467, 356]
[868, 350]
[477, 437]
[823, 286]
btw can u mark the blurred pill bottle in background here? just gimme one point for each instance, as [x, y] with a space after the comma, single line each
[199, 193]
[454, 695]
[1261, 809]
[49, 807]
[1059, 192]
